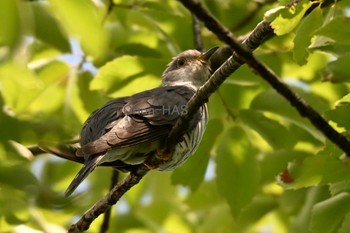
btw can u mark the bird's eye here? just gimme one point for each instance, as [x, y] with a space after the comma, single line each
[181, 62]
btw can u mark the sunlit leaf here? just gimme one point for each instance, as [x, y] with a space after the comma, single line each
[345, 226]
[338, 70]
[51, 98]
[317, 170]
[337, 29]
[309, 197]
[19, 86]
[272, 102]
[269, 129]
[339, 115]
[275, 162]
[91, 100]
[285, 19]
[259, 207]
[205, 197]
[10, 26]
[127, 75]
[87, 25]
[339, 187]
[47, 29]
[17, 177]
[304, 34]
[237, 170]
[136, 49]
[328, 215]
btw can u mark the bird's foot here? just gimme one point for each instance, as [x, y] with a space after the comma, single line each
[161, 156]
[151, 165]
[164, 155]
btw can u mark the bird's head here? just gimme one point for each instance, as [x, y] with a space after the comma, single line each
[190, 68]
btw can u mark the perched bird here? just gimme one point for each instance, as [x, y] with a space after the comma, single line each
[126, 131]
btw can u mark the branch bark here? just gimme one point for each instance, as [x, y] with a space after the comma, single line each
[197, 33]
[107, 214]
[109, 200]
[242, 55]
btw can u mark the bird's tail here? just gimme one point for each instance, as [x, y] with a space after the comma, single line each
[89, 166]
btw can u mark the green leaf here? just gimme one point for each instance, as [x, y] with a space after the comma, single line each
[47, 29]
[328, 215]
[14, 205]
[10, 25]
[17, 177]
[345, 226]
[124, 75]
[137, 49]
[339, 187]
[285, 19]
[341, 112]
[170, 26]
[271, 101]
[269, 129]
[51, 98]
[338, 29]
[275, 162]
[304, 34]
[193, 171]
[257, 209]
[317, 170]
[86, 25]
[340, 115]
[205, 197]
[57, 175]
[19, 86]
[338, 70]
[91, 100]
[237, 170]
[303, 200]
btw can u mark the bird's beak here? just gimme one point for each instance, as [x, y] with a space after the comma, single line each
[206, 56]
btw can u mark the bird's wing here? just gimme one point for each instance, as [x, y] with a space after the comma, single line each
[144, 117]
[102, 120]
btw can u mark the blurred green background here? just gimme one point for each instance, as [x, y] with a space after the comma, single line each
[260, 168]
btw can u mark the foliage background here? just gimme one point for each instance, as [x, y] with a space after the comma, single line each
[260, 168]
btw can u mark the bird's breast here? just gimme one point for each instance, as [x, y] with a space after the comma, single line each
[188, 146]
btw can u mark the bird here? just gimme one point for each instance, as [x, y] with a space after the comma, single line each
[127, 130]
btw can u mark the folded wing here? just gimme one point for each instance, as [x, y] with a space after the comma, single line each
[129, 121]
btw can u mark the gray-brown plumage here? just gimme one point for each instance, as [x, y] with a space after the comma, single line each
[125, 131]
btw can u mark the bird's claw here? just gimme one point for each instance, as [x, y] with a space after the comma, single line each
[161, 156]
[164, 155]
[151, 166]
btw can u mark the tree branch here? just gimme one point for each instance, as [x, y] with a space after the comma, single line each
[197, 33]
[107, 214]
[107, 201]
[242, 55]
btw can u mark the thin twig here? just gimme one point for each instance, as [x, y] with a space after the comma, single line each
[250, 16]
[35, 150]
[197, 33]
[107, 214]
[110, 199]
[108, 12]
[227, 107]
